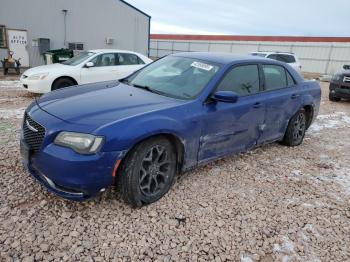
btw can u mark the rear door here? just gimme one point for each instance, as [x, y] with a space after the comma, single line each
[282, 98]
[233, 127]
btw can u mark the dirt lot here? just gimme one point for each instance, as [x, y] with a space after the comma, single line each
[271, 204]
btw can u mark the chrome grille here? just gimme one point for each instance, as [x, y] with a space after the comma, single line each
[33, 133]
[346, 79]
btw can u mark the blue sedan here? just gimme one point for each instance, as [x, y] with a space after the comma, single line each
[179, 112]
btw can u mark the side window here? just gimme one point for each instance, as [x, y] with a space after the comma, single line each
[129, 59]
[290, 80]
[286, 58]
[275, 77]
[273, 56]
[104, 60]
[244, 80]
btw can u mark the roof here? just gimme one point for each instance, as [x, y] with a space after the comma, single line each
[250, 38]
[111, 50]
[135, 8]
[220, 58]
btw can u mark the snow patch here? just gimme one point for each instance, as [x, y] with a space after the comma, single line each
[330, 121]
[10, 84]
[12, 113]
[246, 259]
[286, 249]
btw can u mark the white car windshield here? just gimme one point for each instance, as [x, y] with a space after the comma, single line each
[76, 60]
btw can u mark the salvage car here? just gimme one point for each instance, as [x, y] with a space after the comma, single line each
[179, 112]
[339, 86]
[87, 67]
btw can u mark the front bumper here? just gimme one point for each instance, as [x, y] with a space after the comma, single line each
[70, 175]
[36, 86]
[340, 89]
[60, 169]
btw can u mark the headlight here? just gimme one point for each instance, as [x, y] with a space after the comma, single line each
[336, 77]
[40, 76]
[79, 142]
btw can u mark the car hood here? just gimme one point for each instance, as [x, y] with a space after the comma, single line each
[102, 103]
[45, 69]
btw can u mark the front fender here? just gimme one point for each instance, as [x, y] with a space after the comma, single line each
[124, 136]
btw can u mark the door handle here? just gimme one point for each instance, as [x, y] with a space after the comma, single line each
[257, 105]
[294, 96]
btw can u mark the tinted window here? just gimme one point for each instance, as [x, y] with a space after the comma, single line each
[274, 57]
[290, 80]
[2, 37]
[104, 60]
[129, 59]
[286, 58]
[244, 80]
[259, 54]
[275, 77]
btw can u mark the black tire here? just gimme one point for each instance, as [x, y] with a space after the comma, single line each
[62, 83]
[296, 129]
[333, 98]
[147, 172]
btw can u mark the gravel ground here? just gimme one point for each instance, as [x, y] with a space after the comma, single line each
[271, 204]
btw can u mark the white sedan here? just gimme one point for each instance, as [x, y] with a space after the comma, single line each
[87, 67]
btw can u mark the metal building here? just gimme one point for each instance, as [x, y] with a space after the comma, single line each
[30, 27]
[323, 55]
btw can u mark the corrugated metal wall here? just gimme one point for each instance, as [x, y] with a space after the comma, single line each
[323, 58]
[88, 21]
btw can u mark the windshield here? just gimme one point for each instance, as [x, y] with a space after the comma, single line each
[177, 77]
[76, 60]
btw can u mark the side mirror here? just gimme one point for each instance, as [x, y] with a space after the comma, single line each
[89, 64]
[346, 67]
[225, 96]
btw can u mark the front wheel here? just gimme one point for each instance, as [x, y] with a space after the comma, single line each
[333, 98]
[296, 129]
[62, 83]
[148, 172]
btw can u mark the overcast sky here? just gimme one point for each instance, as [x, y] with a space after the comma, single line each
[249, 17]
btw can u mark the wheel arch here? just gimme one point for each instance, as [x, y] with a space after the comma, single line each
[64, 76]
[177, 142]
[309, 110]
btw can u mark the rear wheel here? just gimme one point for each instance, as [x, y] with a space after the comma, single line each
[148, 172]
[333, 98]
[296, 129]
[62, 83]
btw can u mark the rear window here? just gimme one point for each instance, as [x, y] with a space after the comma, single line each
[276, 77]
[259, 54]
[283, 58]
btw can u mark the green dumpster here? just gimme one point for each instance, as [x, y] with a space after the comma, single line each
[57, 56]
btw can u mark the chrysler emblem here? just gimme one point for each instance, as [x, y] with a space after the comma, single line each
[30, 127]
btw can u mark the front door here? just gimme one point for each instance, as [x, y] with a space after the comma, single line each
[104, 69]
[233, 127]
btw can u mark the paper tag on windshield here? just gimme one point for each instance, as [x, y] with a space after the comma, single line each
[203, 66]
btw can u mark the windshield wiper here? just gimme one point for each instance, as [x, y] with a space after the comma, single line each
[148, 89]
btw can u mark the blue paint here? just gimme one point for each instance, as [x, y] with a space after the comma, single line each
[125, 115]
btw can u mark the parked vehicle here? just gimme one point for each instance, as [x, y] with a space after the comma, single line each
[87, 67]
[339, 86]
[179, 112]
[289, 58]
